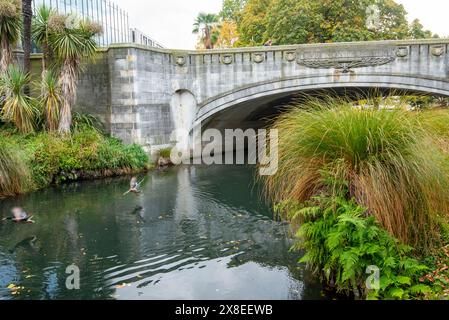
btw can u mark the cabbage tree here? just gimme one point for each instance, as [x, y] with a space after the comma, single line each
[72, 43]
[10, 30]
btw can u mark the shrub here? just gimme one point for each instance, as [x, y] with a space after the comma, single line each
[84, 154]
[82, 121]
[165, 153]
[341, 243]
[389, 160]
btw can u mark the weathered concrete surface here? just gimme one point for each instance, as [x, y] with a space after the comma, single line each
[146, 93]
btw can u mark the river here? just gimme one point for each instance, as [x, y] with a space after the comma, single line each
[199, 232]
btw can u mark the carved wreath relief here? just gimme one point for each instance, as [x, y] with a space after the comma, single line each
[402, 52]
[290, 56]
[227, 58]
[437, 51]
[180, 60]
[258, 57]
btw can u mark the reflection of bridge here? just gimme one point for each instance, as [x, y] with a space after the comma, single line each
[154, 91]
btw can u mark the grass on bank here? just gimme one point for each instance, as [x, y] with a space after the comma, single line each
[392, 162]
[14, 172]
[367, 187]
[48, 158]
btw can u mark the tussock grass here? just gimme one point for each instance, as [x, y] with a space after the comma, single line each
[14, 173]
[390, 161]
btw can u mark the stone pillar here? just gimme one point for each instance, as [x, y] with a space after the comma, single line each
[123, 73]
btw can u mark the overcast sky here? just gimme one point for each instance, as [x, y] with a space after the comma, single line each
[170, 21]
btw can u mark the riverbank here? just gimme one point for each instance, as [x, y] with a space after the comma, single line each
[366, 189]
[34, 161]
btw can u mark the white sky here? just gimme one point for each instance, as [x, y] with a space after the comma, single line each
[170, 21]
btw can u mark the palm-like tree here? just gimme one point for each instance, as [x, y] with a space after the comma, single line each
[10, 28]
[18, 107]
[71, 46]
[40, 34]
[27, 13]
[51, 99]
[204, 23]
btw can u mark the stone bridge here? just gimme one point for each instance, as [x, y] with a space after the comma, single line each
[144, 94]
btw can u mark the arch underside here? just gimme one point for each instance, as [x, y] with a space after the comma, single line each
[252, 106]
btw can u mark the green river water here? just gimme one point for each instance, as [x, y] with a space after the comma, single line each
[194, 233]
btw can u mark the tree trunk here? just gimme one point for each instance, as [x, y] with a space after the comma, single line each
[207, 38]
[44, 59]
[68, 80]
[27, 12]
[6, 54]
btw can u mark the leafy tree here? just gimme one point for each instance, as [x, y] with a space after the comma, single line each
[204, 23]
[253, 25]
[291, 22]
[232, 10]
[417, 31]
[228, 35]
[10, 28]
[320, 21]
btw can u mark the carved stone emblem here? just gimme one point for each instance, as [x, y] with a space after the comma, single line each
[437, 51]
[227, 58]
[402, 52]
[345, 64]
[258, 57]
[290, 56]
[180, 60]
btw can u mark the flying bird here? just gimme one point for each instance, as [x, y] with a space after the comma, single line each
[19, 215]
[134, 186]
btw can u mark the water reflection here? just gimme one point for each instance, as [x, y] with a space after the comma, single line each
[193, 233]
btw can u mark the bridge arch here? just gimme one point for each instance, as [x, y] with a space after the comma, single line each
[278, 89]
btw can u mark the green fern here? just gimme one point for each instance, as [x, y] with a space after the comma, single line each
[341, 242]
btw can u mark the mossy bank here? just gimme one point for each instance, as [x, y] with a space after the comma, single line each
[34, 161]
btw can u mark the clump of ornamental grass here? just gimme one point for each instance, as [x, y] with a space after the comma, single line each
[387, 160]
[437, 122]
[14, 175]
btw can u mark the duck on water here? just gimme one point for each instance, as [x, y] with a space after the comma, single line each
[19, 215]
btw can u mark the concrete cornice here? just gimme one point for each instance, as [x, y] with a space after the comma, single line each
[337, 46]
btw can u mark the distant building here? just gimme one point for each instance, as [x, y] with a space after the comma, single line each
[139, 37]
[114, 20]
